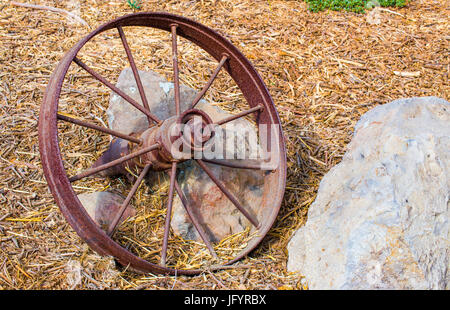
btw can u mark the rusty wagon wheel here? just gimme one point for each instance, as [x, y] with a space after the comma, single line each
[153, 148]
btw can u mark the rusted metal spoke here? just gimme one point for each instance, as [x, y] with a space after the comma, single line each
[173, 176]
[227, 193]
[176, 79]
[239, 115]
[210, 81]
[113, 163]
[99, 128]
[241, 164]
[112, 227]
[135, 71]
[116, 90]
[194, 220]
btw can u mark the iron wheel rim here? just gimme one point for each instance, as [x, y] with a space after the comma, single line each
[240, 70]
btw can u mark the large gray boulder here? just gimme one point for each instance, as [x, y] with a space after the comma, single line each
[380, 219]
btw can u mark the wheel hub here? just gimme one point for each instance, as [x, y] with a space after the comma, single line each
[178, 137]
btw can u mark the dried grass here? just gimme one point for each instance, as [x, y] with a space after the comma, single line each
[324, 70]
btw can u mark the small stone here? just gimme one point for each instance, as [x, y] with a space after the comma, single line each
[102, 207]
[373, 17]
[380, 219]
[73, 274]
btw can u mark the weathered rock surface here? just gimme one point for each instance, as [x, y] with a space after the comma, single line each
[219, 217]
[160, 96]
[380, 219]
[102, 207]
[217, 214]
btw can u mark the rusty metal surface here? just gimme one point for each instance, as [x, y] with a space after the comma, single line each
[242, 72]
